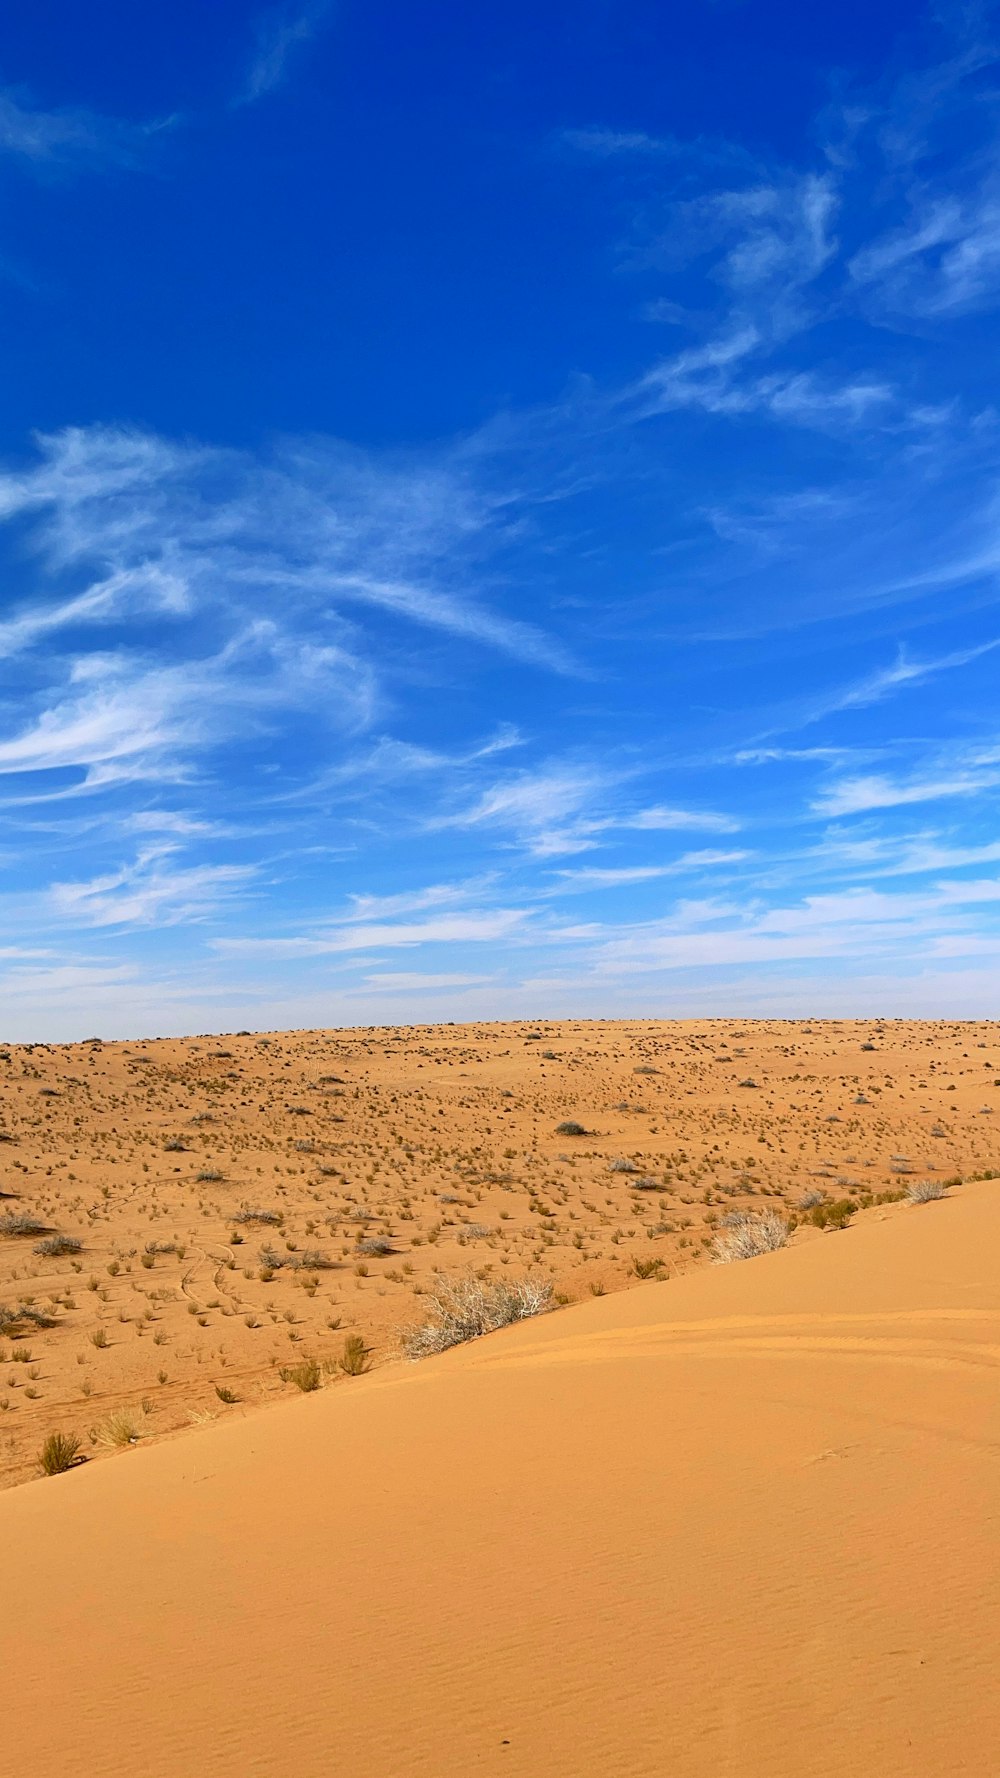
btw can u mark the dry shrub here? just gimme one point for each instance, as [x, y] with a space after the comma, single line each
[123, 1426]
[354, 1358]
[20, 1223]
[922, 1191]
[463, 1309]
[746, 1236]
[14, 1320]
[833, 1214]
[646, 1268]
[58, 1453]
[306, 1375]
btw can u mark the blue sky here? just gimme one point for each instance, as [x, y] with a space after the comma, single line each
[499, 512]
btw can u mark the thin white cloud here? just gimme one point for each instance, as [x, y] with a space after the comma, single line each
[665, 820]
[120, 718]
[478, 926]
[565, 808]
[859, 795]
[584, 878]
[153, 890]
[944, 262]
[862, 693]
[904, 672]
[316, 529]
[411, 981]
[72, 140]
[609, 144]
[365, 909]
[899, 855]
[280, 34]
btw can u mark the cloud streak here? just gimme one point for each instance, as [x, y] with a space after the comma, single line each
[280, 36]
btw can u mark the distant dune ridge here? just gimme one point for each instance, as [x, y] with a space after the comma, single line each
[743, 1522]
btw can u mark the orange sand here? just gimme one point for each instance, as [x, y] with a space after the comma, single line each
[738, 1524]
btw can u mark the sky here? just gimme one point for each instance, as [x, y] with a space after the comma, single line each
[499, 512]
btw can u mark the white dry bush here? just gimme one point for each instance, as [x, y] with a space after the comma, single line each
[462, 1309]
[923, 1190]
[746, 1236]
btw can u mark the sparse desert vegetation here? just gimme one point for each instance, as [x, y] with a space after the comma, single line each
[202, 1225]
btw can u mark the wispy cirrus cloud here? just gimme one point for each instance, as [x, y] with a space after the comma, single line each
[860, 795]
[606, 144]
[940, 261]
[476, 926]
[73, 139]
[151, 890]
[944, 262]
[583, 879]
[566, 807]
[280, 33]
[121, 717]
[170, 525]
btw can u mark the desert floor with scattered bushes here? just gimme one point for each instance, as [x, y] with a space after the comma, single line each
[738, 1524]
[191, 1228]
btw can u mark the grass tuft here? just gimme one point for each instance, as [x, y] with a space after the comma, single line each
[306, 1375]
[353, 1360]
[59, 1453]
[123, 1426]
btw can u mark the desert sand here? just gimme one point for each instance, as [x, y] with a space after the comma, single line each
[244, 1202]
[743, 1522]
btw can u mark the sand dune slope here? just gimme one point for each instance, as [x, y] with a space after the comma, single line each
[742, 1523]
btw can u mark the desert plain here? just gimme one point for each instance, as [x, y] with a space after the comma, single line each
[183, 1222]
[703, 1520]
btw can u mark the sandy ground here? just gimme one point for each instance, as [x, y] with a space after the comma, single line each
[384, 1156]
[742, 1523]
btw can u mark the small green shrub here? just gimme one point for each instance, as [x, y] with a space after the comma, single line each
[59, 1453]
[832, 1215]
[306, 1375]
[646, 1268]
[353, 1360]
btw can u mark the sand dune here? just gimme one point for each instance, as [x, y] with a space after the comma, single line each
[742, 1522]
